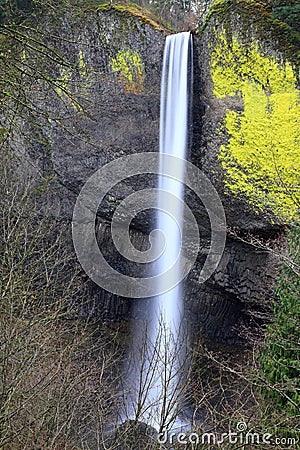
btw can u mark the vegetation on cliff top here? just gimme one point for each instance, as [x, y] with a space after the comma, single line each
[287, 11]
[257, 20]
[133, 9]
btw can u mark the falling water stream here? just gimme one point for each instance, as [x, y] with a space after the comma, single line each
[167, 334]
[158, 380]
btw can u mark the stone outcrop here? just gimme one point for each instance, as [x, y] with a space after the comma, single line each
[107, 102]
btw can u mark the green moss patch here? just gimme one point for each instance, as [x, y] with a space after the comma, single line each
[261, 159]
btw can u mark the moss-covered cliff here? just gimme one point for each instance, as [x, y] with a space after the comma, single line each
[250, 65]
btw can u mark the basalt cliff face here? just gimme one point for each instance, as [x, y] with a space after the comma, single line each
[244, 119]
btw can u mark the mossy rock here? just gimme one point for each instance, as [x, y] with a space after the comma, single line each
[255, 20]
[251, 77]
[131, 9]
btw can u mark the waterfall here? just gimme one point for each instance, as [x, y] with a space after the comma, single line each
[174, 125]
[158, 376]
[167, 333]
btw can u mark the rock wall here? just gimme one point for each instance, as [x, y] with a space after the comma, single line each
[107, 102]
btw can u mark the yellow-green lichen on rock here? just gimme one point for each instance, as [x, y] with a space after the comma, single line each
[261, 159]
[82, 65]
[130, 68]
[62, 88]
[63, 83]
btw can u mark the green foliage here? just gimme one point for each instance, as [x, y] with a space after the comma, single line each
[280, 363]
[19, 10]
[13, 9]
[287, 11]
[261, 159]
